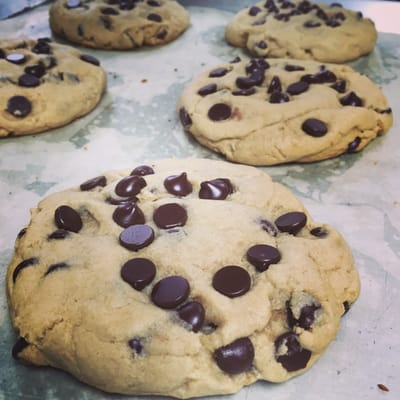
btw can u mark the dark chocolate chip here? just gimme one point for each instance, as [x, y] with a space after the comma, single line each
[19, 106]
[170, 216]
[245, 82]
[136, 345]
[269, 227]
[128, 214]
[339, 15]
[311, 24]
[65, 217]
[321, 14]
[22, 265]
[333, 23]
[93, 183]
[256, 63]
[295, 357]
[219, 112]
[216, 189]
[130, 186]
[291, 222]
[319, 232]
[304, 7]
[192, 313]
[314, 127]
[207, 89]
[72, 4]
[244, 92]
[282, 17]
[232, 281]
[16, 58]
[262, 44]
[184, 117]
[218, 72]
[18, 347]
[254, 10]
[162, 34]
[297, 88]
[89, 59]
[117, 202]
[56, 267]
[324, 76]
[291, 68]
[352, 146]
[339, 86]
[236, 60]
[278, 97]
[37, 70]
[170, 292]
[42, 47]
[58, 234]
[386, 111]
[135, 237]
[21, 233]
[336, 5]
[262, 256]
[286, 4]
[306, 317]
[346, 307]
[351, 99]
[153, 3]
[275, 85]
[143, 170]
[178, 185]
[138, 272]
[236, 357]
[154, 17]
[28, 80]
[109, 11]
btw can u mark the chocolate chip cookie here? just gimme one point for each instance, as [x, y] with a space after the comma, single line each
[183, 278]
[44, 85]
[118, 24]
[302, 29]
[272, 111]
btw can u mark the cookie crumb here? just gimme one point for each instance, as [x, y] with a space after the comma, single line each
[143, 80]
[383, 387]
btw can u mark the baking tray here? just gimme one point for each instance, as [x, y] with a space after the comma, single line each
[136, 121]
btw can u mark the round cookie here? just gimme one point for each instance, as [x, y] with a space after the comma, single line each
[303, 30]
[265, 112]
[181, 278]
[44, 85]
[118, 24]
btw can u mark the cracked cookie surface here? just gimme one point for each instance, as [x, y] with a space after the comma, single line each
[183, 277]
[118, 24]
[273, 111]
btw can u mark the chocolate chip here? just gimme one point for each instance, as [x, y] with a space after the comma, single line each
[333, 23]
[278, 97]
[311, 24]
[138, 272]
[297, 88]
[93, 183]
[178, 185]
[192, 313]
[184, 117]
[135, 237]
[58, 234]
[305, 7]
[262, 44]
[236, 60]
[89, 59]
[346, 307]
[136, 345]
[291, 222]
[321, 14]
[269, 227]
[37, 70]
[142, 170]
[19, 106]
[128, 214]
[16, 58]
[126, 5]
[236, 357]
[306, 316]
[2, 54]
[216, 189]
[22, 265]
[245, 82]
[21, 233]
[324, 76]
[67, 218]
[386, 111]
[42, 47]
[117, 202]
[254, 10]
[219, 112]
[72, 4]
[56, 267]
[290, 353]
[218, 72]
[319, 232]
[352, 146]
[314, 127]
[162, 34]
[244, 92]
[291, 68]
[339, 86]
[28, 80]
[262, 256]
[153, 3]
[170, 292]
[130, 186]
[18, 347]
[170, 216]
[256, 63]
[207, 89]
[109, 11]
[154, 17]
[232, 281]
[351, 99]
[107, 22]
[282, 17]
[275, 85]
[50, 62]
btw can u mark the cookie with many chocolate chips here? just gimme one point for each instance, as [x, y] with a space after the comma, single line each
[302, 29]
[44, 85]
[118, 24]
[273, 111]
[217, 281]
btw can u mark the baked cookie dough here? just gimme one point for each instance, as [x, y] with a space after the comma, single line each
[302, 29]
[265, 112]
[45, 85]
[183, 278]
[118, 24]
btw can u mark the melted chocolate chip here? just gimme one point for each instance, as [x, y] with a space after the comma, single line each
[93, 183]
[136, 345]
[130, 186]
[339, 86]
[56, 267]
[323, 76]
[351, 99]
[192, 313]
[319, 232]
[294, 357]
[262, 256]
[278, 97]
[184, 117]
[216, 189]
[178, 185]
[275, 85]
[58, 234]
[352, 146]
[291, 222]
[135, 237]
[207, 89]
[143, 170]
[16, 58]
[218, 72]
[18, 347]
[90, 59]
[297, 88]
[37, 70]
[236, 357]
[19, 106]
[346, 307]
[232, 281]
[219, 112]
[138, 272]
[306, 318]
[22, 265]
[269, 227]
[170, 292]
[170, 216]
[256, 63]
[73, 4]
[42, 47]
[314, 127]
[154, 17]
[128, 214]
